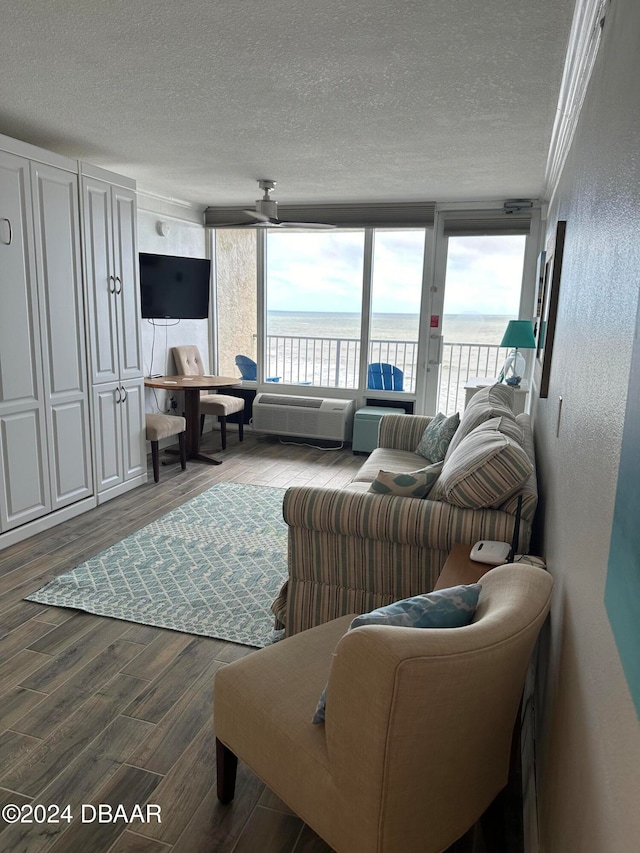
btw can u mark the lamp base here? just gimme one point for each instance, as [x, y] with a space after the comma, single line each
[513, 369]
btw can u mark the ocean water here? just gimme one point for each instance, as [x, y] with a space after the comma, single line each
[457, 328]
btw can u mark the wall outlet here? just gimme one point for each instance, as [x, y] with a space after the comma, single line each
[173, 403]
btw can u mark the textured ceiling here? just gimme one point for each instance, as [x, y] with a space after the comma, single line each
[337, 100]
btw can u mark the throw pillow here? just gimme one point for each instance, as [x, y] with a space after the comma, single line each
[411, 484]
[484, 470]
[436, 437]
[494, 401]
[442, 608]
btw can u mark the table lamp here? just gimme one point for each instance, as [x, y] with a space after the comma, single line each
[518, 335]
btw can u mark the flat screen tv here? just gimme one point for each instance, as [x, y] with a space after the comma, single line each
[174, 288]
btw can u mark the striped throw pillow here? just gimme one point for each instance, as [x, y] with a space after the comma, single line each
[494, 401]
[483, 470]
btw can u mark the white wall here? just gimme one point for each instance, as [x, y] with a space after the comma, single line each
[186, 237]
[590, 768]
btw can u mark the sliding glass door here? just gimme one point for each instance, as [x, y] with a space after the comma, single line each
[396, 294]
[482, 291]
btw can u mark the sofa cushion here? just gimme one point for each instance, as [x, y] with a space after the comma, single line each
[437, 436]
[494, 401]
[507, 426]
[409, 484]
[485, 469]
[388, 459]
[443, 608]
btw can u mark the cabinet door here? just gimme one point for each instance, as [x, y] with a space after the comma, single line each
[57, 229]
[24, 486]
[133, 429]
[127, 283]
[107, 432]
[100, 280]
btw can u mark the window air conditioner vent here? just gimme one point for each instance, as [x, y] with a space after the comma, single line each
[306, 417]
[283, 400]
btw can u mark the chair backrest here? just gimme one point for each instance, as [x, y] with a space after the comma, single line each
[247, 367]
[385, 377]
[188, 361]
[419, 721]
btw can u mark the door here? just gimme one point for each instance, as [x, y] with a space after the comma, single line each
[127, 283]
[133, 430]
[107, 432]
[477, 289]
[100, 280]
[57, 229]
[24, 483]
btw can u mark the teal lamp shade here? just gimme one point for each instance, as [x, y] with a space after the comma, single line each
[518, 335]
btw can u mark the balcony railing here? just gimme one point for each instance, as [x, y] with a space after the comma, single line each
[334, 363]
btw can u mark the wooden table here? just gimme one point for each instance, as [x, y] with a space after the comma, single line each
[192, 386]
[459, 569]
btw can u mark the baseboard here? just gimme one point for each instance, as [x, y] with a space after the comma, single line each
[120, 489]
[26, 531]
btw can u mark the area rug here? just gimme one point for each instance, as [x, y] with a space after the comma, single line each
[211, 567]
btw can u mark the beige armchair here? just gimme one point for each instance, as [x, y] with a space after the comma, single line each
[419, 722]
[189, 363]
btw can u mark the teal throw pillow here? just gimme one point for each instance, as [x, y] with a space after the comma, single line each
[436, 437]
[443, 608]
[411, 484]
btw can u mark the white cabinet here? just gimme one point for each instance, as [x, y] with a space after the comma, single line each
[113, 308]
[118, 423]
[60, 294]
[45, 460]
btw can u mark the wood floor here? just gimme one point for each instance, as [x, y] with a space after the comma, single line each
[96, 710]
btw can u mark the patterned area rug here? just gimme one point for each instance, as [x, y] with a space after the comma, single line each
[210, 567]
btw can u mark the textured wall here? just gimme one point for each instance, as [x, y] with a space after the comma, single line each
[236, 297]
[590, 782]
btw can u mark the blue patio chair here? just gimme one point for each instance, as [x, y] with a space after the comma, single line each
[249, 369]
[385, 377]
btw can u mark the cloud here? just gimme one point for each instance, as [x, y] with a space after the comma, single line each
[323, 271]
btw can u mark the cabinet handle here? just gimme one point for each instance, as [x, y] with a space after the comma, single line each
[117, 281]
[10, 240]
[118, 395]
[124, 394]
[111, 280]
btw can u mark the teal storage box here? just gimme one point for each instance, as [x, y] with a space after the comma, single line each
[365, 427]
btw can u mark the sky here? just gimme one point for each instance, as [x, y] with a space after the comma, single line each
[322, 271]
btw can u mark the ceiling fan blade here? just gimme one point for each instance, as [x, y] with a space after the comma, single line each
[264, 215]
[316, 226]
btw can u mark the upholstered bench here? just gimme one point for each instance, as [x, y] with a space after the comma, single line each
[164, 426]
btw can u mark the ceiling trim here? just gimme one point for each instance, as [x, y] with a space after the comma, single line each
[584, 41]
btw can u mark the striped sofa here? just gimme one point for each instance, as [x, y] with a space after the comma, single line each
[351, 550]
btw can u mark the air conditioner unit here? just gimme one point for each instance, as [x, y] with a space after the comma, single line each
[306, 417]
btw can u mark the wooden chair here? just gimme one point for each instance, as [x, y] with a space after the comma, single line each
[189, 363]
[417, 738]
[164, 426]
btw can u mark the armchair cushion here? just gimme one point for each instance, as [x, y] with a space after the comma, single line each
[443, 608]
[410, 484]
[437, 437]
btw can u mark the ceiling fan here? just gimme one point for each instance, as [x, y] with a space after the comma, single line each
[265, 214]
